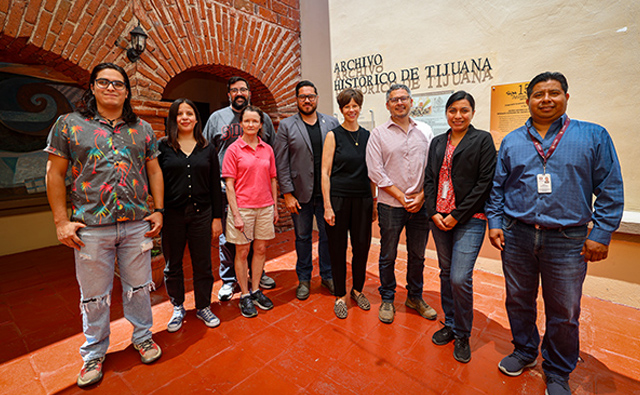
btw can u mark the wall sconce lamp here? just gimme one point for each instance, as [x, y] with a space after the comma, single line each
[138, 43]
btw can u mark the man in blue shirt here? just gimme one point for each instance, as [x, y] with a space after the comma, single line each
[546, 176]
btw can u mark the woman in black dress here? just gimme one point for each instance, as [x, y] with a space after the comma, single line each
[348, 201]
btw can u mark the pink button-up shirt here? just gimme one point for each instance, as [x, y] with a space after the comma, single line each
[396, 157]
[252, 171]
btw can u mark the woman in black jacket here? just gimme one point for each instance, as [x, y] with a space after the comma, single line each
[457, 184]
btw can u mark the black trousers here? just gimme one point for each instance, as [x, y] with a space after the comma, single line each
[353, 217]
[182, 225]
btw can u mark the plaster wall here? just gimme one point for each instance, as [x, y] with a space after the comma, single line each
[26, 232]
[595, 44]
[316, 50]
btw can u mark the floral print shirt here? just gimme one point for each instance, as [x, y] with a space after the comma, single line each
[108, 166]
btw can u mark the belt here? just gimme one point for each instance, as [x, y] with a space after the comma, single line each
[555, 229]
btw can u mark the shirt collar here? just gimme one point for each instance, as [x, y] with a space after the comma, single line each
[244, 143]
[553, 129]
[390, 122]
[100, 119]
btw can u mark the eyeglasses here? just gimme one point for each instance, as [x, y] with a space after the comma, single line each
[305, 97]
[399, 99]
[236, 90]
[104, 83]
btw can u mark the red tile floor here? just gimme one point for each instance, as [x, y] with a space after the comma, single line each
[296, 348]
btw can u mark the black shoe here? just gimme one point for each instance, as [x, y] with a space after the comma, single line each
[261, 300]
[247, 309]
[461, 350]
[557, 386]
[443, 336]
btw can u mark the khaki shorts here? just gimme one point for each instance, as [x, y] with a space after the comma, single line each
[258, 224]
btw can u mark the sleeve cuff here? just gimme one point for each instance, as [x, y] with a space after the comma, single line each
[600, 236]
[495, 222]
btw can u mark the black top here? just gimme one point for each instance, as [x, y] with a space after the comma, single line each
[191, 179]
[349, 177]
[315, 135]
[472, 167]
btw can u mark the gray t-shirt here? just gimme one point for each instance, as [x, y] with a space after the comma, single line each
[223, 128]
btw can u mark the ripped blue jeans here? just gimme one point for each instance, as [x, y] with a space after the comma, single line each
[95, 264]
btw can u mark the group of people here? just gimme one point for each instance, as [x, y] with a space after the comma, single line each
[222, 180]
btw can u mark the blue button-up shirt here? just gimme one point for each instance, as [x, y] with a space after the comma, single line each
[584, 164]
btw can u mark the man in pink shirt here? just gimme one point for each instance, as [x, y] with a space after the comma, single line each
[396, 160]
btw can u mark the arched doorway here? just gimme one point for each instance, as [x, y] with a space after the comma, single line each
[207, 86]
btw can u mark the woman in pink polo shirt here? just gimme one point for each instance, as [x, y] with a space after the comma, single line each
[249, 170]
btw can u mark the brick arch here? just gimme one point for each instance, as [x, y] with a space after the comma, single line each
[261, 96]
[19, 51]
[216, 38]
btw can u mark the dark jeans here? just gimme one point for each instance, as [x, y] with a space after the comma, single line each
[457, 253]
[184, 225]
[553, 256]
[353, 218]
[391, 221]
[303, 226]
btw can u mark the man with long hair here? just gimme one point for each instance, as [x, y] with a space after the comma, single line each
[114, 165]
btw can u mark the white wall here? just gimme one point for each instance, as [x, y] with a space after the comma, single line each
[316, 50]
[595, 44]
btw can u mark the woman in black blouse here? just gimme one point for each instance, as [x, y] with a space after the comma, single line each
[348, 201]
[193, 208]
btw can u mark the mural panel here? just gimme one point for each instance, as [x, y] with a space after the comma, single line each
[32, 99]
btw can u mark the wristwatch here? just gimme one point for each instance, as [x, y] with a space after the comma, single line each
[159, 210]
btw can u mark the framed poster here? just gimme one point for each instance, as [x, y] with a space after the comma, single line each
[509, 109]
[430, 109]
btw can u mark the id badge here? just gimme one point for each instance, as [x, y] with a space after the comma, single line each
[544, 183]
[445, 190]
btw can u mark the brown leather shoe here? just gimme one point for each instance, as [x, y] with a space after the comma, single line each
[387, 312]
[302, 292]
[328, 284]
[421, 307]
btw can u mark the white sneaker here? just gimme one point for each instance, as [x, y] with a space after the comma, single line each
[267, 282]
[226, 292]
[175, 322]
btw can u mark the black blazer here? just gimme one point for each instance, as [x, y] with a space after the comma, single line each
[472, 168]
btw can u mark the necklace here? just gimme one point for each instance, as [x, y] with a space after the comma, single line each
[355, 140]
[111, 121]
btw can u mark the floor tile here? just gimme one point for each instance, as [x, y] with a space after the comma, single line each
[266, 381]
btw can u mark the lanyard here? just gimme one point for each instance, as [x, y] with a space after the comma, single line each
[554, 144]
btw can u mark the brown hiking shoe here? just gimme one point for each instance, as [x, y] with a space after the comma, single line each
[91, 372]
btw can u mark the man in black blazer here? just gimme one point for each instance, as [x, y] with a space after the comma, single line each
[298, 150]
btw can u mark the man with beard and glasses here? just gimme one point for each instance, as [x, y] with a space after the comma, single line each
[222, 129]
[298, 148]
